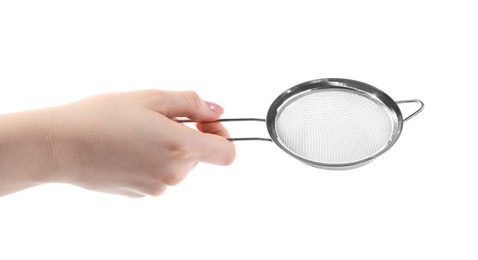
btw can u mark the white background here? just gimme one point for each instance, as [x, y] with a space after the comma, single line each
[418, 201]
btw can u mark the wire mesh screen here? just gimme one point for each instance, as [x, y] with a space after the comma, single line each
[334, 126]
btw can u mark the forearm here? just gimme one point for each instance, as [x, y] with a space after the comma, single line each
[25, 150]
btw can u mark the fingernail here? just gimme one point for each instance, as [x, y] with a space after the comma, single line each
[215, 107]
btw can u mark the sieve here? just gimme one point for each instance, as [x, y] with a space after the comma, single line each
[333, 123]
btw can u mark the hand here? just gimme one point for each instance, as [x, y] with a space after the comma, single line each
[128, 143]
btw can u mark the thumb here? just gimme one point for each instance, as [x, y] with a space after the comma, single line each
[187, 104]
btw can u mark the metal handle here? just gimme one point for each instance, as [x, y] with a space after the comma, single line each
[232, 120]
[422, 106]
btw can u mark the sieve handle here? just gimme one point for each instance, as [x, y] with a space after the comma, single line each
[422, 106]
[232, 120]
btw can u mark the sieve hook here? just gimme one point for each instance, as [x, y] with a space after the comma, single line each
[422, 105]
[233, 120]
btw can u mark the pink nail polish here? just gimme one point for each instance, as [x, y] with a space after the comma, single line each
[215, 107]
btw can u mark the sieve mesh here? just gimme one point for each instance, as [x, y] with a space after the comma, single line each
[333, 126]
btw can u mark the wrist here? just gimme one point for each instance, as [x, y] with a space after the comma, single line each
[26, 148]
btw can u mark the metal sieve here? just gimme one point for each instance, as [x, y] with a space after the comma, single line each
[333, 123]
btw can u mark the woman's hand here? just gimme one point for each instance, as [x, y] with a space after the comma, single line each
[121, 143]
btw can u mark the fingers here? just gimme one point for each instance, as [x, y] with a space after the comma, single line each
[210, 144]
[186, 104]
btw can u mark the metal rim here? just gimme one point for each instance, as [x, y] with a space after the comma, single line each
[354, 86]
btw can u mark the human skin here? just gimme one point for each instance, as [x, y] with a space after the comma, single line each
[121, 143]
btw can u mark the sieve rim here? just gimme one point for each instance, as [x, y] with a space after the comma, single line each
[353, 86]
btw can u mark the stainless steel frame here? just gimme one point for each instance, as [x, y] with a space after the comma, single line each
[353, 86]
